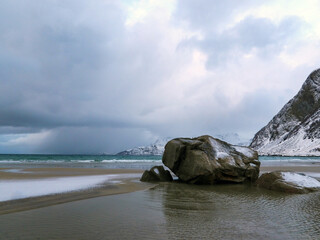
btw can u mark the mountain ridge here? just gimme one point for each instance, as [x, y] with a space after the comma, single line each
[157, 148]
[294, 130]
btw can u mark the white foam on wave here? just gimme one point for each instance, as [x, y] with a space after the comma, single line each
[131, 161]
[83, 161]
[32, 161]
[18, 189]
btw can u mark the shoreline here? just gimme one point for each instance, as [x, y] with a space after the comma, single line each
[124, 185]
[54, 172]
[297, 168]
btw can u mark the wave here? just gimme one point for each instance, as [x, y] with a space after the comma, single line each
[130, 161]
[31, 161]
[82, 161]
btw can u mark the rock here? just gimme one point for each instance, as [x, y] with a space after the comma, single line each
[156, 174]
[207, 160]
[288, 182]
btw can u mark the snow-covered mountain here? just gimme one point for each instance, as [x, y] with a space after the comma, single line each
[157, 148]
[295, 130]
[233, 138]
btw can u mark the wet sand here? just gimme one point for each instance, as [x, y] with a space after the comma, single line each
[34, 173]
[306, 169]
[123, 186]
[174, 211]
[164, 211]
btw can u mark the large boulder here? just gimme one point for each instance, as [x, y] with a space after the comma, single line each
[207, 160]
[288, 182]
[156, 174]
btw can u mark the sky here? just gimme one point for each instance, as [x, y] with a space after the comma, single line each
[102, 76]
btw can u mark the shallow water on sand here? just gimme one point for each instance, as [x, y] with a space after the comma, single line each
[174, 211]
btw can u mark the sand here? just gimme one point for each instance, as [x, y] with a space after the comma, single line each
[34, 173]
[124, 186]
[173, 211]
[305, 169]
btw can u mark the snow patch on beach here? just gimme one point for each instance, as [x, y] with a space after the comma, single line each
[18, 189]
[300, 180]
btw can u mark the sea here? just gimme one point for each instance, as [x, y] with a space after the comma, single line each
[122, 162]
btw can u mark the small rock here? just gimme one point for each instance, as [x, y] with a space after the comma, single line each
[156, 174]
[288, 182]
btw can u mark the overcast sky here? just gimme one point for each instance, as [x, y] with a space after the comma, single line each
[79, 76]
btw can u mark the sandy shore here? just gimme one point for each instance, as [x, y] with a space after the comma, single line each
[36, 173]
[305, 169]
[173, 211]
[123, 186]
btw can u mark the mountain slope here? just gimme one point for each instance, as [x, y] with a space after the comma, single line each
[157, 148]
[233, 138]
[295, 129]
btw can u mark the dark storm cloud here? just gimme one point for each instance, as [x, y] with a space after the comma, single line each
[77, 79]
[73, 65]
[49, 68]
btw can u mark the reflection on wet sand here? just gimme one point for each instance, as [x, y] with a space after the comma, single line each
[174, 211]
[237, 212]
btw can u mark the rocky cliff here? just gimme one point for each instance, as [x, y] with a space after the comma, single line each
[295, 130]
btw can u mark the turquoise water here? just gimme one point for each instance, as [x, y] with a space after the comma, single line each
[117, 161]
[73, 158]
[82, 161]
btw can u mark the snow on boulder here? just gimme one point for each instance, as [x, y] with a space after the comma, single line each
[289, 182]
[208, 160]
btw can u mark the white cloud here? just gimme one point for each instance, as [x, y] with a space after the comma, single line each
[138, 11]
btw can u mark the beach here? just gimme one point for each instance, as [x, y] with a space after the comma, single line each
[123, 207]
[111, 181]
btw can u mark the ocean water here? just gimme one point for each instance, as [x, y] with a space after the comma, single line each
[122, 162]
[80, 161]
